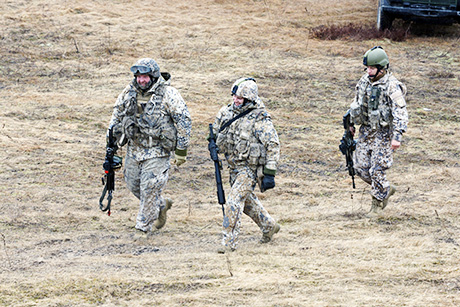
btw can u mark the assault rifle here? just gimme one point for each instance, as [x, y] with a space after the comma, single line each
[111, 163]
[213, 150]
[348, 145]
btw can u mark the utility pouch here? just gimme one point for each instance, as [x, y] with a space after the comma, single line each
[374, 119]
[168, 138]
[242, 149]
[374, 113]
[254, 154]
[222, 142]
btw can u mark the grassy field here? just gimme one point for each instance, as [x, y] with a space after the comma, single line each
[63, 63]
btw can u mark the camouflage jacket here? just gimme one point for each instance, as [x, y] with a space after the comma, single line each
[161, 115]
[381, 105]
[250, 140]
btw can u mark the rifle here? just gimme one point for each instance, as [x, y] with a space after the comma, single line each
[348, 145]
[111, 163]
[213, 150]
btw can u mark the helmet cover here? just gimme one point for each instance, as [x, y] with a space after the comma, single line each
[246, 88]
[146, 66]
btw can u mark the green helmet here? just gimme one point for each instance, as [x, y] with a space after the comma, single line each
[377, 57]
[246, 88]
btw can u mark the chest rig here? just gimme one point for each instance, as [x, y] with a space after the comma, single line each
[148, 113]
[239, 141]
[371, 106]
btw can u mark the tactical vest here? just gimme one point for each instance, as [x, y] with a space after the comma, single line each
[150, 116]
[372, 107]
[239, 143]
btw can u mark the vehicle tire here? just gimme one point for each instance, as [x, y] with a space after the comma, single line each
[384, 20]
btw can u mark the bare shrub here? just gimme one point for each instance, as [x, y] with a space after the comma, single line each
[358, 32]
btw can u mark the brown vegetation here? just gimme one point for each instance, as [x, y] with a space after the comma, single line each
[360, 32]
[62, 66]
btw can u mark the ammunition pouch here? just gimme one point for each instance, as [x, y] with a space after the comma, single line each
[246, 149]
[374, 112]
[164, 135]
[257, 154]
[159, 136]
[168, 138]
[224, 141]
[356, 114]
[374, 119]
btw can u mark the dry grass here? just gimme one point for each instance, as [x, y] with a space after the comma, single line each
[62, 66]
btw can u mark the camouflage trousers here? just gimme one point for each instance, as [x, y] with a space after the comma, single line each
[146, 181]
[242, 199]
[372, 158]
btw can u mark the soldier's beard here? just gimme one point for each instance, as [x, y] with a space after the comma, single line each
[145, 86]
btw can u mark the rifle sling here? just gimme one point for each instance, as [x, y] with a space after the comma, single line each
[235, 118]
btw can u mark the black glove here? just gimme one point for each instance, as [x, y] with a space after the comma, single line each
[268, 182]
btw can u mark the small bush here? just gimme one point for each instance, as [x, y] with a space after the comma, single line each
[358, 32]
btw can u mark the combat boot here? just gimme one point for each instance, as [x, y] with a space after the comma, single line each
[392, 191]
[376, 208]
[141, 235]
[225, 249]
[267, 236]
[161, 221]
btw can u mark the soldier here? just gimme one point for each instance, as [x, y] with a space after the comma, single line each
[247, 137]
[380, 108]
[153, 119]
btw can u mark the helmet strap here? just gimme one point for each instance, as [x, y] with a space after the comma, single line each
[376, 77]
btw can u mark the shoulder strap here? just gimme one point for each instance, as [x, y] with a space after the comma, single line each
[235, 118]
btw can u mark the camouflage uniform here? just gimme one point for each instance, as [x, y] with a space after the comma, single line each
[380, 108]
[162, 124]
[250, 144]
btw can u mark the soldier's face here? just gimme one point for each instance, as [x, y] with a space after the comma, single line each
[143, 81]
[372, 71]
[238, 101]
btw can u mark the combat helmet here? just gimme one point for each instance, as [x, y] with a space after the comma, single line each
[146, 66]
[246, 88]
[376, 57]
